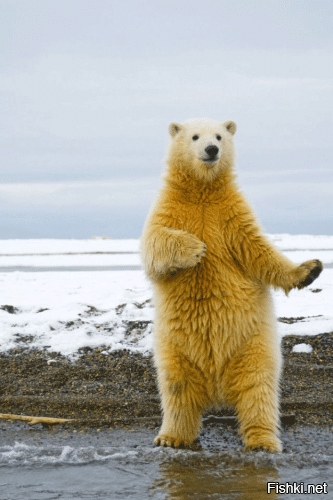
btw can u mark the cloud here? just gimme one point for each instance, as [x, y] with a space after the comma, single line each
[88, 96]
[87, 108]
[64, 196]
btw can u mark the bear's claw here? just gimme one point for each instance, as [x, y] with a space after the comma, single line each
[267, 443]
[163, 440]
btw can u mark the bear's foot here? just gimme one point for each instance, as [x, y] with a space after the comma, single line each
[173, 442]
[264, 440]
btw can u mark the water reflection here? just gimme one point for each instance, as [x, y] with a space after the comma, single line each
[223, 477]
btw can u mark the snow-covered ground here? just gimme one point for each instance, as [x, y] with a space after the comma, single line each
[66, 309]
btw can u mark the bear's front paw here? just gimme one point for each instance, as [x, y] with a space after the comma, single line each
[308, 272]
[192, 252]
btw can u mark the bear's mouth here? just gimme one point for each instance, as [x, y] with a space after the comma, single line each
[209, 161]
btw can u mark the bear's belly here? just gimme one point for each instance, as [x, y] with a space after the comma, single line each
[210, 303]
[208, 312]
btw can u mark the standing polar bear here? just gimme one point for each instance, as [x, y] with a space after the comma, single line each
[215, 338]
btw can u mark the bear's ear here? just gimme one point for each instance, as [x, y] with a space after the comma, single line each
[230, 126]
[174, 128]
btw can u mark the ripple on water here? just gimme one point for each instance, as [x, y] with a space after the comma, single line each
[121, 464]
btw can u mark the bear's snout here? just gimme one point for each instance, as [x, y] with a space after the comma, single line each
[212, 151]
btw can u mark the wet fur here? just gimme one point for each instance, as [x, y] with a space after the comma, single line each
[215, 337]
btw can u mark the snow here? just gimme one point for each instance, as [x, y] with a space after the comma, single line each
[301, 241]
[302, 348]
[68, 309]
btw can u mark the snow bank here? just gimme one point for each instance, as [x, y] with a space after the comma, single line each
[64, 311]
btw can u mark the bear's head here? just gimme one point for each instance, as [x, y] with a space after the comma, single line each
[203, 148]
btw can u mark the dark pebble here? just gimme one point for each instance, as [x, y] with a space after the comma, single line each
[119, 388]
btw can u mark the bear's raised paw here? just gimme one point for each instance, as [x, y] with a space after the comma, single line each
[313, 269]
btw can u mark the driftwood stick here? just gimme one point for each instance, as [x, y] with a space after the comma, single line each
[35, 420]
[287, 419]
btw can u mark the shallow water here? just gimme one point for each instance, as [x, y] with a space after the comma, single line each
[40, 464]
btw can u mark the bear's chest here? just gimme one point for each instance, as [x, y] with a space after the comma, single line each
[218, 275]
[206, 221]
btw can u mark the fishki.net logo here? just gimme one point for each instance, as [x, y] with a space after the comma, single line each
[296, 488]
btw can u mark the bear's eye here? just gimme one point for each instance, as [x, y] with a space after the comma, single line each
[218, 137]
[195, 137]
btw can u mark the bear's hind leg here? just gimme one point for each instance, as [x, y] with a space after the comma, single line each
[251, 384]
[183, 396]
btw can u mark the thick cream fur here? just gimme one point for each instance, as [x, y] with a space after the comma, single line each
[215, 338]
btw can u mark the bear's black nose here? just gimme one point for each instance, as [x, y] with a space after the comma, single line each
[212, 151]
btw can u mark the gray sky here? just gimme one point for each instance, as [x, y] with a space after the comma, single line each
[88, 89]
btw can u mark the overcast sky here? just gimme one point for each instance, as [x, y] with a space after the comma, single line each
[88, 89]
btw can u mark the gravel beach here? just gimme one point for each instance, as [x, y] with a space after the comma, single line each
[117, 388]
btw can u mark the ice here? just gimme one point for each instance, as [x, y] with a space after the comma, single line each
[52, 246]
[77, 260]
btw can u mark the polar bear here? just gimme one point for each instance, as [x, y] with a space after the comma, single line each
[215, 335]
